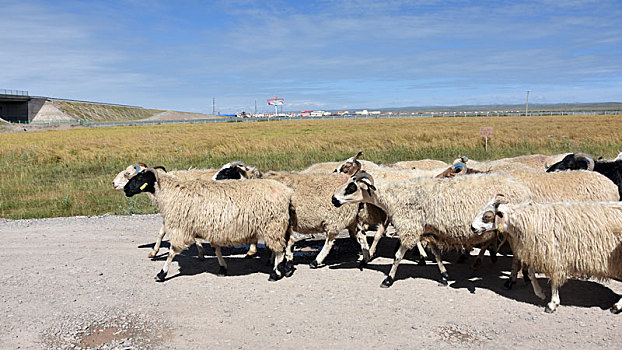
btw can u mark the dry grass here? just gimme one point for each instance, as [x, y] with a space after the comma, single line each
[69, 172]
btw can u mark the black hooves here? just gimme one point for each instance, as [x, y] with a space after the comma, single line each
[508, 284]
[444, 278]
[388, 282]
[362, 264]
[286, 268]
[273, 277]
[421, 262]
[494, 258]
[614, 310]
[526, 278]
[161, 276]
[222, 271]
[314, 264]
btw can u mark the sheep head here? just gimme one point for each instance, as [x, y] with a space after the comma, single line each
[144, 181]
[236, 170]
[123, 177]
[488, 218]
[351, 166]
[573, 161]
[358, 189]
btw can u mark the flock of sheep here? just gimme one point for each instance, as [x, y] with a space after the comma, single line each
[563, 224]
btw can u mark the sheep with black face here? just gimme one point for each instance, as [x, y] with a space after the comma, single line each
[225, 213]
[439, 211]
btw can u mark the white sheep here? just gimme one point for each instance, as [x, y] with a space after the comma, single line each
[225, 213]
[438, 211]
[561, 240]
[124, 176]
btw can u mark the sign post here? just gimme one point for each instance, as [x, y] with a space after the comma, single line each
[486, 131]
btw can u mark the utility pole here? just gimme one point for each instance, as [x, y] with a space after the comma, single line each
[527, 103]
[213, 105]
[255, 106]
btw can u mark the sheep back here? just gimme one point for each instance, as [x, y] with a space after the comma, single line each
[568, 239]
[580, 185]
[226, 212]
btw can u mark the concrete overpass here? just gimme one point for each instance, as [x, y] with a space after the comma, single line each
[17, 106]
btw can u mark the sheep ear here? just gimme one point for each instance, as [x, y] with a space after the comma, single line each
[500, 199]
[358, 155]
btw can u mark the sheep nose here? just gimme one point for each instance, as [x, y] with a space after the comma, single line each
[336, 202]
[473, 229]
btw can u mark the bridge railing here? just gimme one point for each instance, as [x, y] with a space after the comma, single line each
[13, 92]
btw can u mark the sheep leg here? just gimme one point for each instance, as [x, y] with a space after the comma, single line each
[156, 247]
[617, 307]
[379, 233]
[422, 254]
[222, 271]
[171, 254]
[516, 264]
[480, 257]
[362, 239]
[328, 245]
[252, 250]
[280, 267]
[399, 255]
[537, 289]
[554, 303]
[439, 262]
[200, 249]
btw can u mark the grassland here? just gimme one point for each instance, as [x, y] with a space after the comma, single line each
[70, 172]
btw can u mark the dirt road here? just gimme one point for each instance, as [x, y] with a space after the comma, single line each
[87, 282]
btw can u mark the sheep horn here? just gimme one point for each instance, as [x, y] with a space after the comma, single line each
[586, 158]
[160, 167]
[358, 155]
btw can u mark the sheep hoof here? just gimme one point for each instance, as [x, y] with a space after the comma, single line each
[615, 310]
[526, 278]
[161, 276]
[362, 264]
[314, 264]
[273, 276]
[222, 271]
[508, 284]
[388, 282]
[494, 258]
[152, 254]
[201, 257]
[548, 310]
[444, 277]
[286, 268]
[421, 262]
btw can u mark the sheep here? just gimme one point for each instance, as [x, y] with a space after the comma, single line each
[225, 213]
[561, 239]
[124, 176]
[577, 161]
[241, 172]
[314, 212]
[438, 211]
[424, 164]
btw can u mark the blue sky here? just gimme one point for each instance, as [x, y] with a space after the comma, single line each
[316, 54]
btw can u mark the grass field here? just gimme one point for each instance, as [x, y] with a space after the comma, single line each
[70, 172]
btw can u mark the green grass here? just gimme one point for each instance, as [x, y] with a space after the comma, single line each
[70, 172]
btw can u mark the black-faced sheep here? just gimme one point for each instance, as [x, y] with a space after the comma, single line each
[439, 211]
[561, 240]
[225, 213]
[577, 161]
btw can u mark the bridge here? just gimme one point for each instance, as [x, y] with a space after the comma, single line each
[18, 106]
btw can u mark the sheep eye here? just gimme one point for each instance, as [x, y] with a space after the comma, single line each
[351, 188]
[488, 217]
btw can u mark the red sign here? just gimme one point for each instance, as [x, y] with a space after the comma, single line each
[486, 131]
